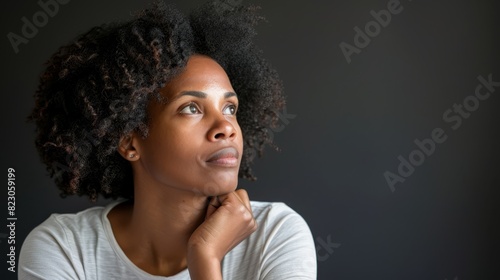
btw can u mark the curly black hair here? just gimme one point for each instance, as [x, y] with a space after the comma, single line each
[95, 90]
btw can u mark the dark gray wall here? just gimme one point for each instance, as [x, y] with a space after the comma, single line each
[346, 125]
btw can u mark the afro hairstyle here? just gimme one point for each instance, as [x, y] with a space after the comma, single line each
[96, 90]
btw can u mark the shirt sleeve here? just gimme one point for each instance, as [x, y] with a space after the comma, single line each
[289, 251]
[46, 254]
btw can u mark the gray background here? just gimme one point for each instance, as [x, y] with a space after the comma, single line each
[352, 121]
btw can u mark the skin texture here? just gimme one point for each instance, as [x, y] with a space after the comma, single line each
[186, 211]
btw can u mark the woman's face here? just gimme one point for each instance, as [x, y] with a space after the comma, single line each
[194, 141]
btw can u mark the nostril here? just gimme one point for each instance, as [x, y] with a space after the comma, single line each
[222, 131]
[219, 135]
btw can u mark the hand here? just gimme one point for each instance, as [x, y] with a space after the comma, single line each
[229, 220]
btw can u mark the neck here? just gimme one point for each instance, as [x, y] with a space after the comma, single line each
[154, 230]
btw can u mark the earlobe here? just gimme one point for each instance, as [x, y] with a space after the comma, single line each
[127, 149]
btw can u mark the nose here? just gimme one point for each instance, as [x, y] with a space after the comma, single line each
[221, 129]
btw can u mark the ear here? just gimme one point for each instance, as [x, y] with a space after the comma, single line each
[127, 149]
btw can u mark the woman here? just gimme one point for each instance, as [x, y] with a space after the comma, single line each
[163, 113]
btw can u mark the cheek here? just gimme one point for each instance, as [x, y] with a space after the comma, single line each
[167, 151]
[240, 138]
[171, 163]
[175, 147]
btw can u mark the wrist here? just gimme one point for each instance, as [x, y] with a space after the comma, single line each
[202, 265]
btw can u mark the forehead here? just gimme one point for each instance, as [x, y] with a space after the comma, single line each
[200, 74]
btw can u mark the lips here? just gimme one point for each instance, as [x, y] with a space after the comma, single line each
[227, 157]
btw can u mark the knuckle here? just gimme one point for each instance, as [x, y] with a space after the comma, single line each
[242, 209]
[242, 191]
[253, 225]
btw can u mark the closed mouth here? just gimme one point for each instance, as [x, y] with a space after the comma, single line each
[225, 157]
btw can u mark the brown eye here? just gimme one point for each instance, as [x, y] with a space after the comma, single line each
[230, 110]
[190, 109]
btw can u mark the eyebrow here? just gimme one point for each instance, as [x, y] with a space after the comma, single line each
[198, 94]
[201, 94]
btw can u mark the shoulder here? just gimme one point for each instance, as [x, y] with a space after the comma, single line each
[64, 226]
[90, 216]
[263, 206]
[282, 247]
[63, 241]
[277, 214]
[277, 219]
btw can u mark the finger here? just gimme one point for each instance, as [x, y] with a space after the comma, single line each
[243, 197]
[224, 198]
[238, 197]
[215, 201]
[213, 204]
[231, 197]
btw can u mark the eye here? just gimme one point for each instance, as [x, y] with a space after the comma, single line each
[190, 109]
[230, 110]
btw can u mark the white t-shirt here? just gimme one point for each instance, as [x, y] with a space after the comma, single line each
[82, 246]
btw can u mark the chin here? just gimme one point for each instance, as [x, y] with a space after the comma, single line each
[225, 189]
[219, 187]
